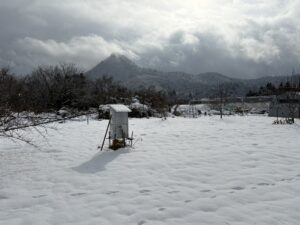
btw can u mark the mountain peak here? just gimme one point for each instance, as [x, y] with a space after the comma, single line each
[116, 58]
[116, 65]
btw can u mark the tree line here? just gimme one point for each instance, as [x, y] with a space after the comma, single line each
[292, 84]
[49, 88]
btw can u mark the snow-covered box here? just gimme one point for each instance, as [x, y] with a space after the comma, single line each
[119, 121]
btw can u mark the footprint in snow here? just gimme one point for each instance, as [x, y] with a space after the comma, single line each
[206, 190]
[3, 197]
[78, 194]
[286, 179]
[144, 191]
[263, 184]
[111, 192]
[187, 201]
[141, 222]
[238, 188]
[161, 209]
[38, 196]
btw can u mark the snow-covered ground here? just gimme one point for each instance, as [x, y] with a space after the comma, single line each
[239, 170]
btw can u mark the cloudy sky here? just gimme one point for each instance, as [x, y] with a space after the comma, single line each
[239, 38]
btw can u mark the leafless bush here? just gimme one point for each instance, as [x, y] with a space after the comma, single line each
[222, 98]
[17, 126]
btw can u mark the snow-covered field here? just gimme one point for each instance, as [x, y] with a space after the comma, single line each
[239, 170]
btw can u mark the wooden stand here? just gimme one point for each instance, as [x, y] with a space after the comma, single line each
[105, 134]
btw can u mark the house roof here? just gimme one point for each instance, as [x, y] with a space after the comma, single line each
[119, 108]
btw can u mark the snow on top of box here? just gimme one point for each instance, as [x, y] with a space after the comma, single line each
[119, 108]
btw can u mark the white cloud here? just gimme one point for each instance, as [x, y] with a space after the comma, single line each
[190, 35]
[85, 51]
[265, 51]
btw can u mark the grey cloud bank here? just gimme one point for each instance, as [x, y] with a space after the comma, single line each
[239, 38]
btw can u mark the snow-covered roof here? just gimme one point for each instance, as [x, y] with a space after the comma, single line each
[137, 105]
[119, 108]
[104, 107]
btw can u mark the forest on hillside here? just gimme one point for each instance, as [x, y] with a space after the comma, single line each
[49, 88]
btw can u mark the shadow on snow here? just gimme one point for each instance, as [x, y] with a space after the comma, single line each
[99, 161]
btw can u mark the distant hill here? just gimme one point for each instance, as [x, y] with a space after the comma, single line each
[127, 73]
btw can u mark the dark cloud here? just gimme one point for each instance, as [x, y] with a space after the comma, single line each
[239, 38]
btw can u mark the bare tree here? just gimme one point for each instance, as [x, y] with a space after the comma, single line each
[287, 100]
[51, 87]
[222, 96]
[13, 120]
[292, 98]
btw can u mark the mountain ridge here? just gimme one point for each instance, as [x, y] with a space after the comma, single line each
[126, 72]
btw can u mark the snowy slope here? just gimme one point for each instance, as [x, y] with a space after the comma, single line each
[239, 170]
